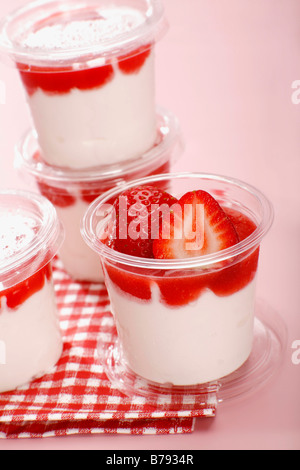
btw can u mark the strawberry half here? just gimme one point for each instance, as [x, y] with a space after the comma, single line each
[138, 220]
[198, 226]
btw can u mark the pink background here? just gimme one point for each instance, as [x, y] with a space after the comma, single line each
[226, 69]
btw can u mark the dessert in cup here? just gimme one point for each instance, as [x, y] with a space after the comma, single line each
[88, 69]
[30, 336]
[180, 256]
[72, 191]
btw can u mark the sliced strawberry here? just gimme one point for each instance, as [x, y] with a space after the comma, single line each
[138, 218]
[198, 226]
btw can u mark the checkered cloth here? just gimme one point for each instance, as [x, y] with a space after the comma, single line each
[76, 397]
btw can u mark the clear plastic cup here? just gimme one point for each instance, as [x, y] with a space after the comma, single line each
[88, 69]
[30, 336]
[71, 191]
[185, 321]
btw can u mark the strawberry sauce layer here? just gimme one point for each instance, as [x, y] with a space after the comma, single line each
[177, 291]
[62, 80]
[134, 62]
[15, 296]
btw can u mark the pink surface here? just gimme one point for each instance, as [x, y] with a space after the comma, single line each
[226, 69]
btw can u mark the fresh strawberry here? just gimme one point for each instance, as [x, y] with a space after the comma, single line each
[138, 220]
[198, 226]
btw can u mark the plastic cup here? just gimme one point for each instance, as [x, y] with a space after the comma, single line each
[88, 69]
[30, 336]
[71, 191]
[185, 321]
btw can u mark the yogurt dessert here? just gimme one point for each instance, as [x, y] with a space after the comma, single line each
[30, 336]
[72, 191]
[88, 69]
[183, 294]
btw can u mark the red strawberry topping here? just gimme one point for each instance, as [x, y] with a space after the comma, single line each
[138, 215]
[18, 294]
[134, 62]
[63, 80]
[198, 226]
[179, 288]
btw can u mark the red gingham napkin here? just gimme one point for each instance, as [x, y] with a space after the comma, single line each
[76, 397]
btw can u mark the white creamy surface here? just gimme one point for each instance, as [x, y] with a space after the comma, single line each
[30, 339]
[200, 342]
[80, 261]
[104, 125]
[81, 28]
[16, 232]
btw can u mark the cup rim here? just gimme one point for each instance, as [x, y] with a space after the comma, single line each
[39, 251]
[206, 261]
[170, 143]
[152, 28]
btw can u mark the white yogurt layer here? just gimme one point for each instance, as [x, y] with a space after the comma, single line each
[100, 126]
[79, 260]
[104, 125]
[30, 339]
[197, 343]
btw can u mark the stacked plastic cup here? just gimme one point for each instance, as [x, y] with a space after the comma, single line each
[88, 70]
